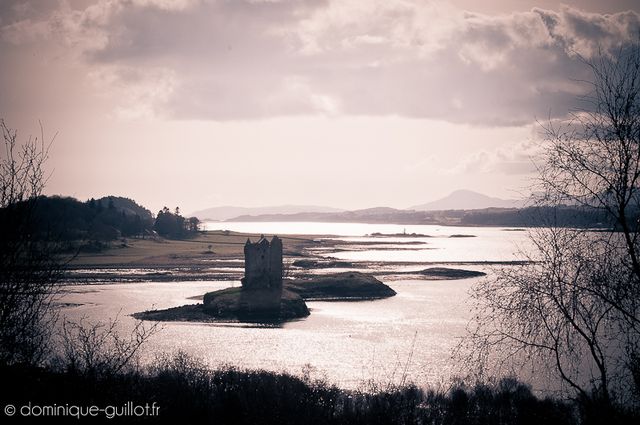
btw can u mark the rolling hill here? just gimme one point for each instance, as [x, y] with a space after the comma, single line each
[467, 200]
[229, 212]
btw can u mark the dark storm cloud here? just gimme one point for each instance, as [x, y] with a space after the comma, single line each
[213, 32]
[12, 11]
[248, 59]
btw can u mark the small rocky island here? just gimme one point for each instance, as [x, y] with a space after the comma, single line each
[262, 295]
[265, 297]
[347, 286]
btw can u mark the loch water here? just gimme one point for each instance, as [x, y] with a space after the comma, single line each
[406, 338]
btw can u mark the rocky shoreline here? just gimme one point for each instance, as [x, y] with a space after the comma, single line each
[274, 305]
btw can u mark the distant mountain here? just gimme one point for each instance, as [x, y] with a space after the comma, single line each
[369, 215]
[494, 216]
[229, 212]
[468, 200]
[376, 211]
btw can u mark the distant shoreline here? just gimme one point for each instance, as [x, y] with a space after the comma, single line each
[533, 216]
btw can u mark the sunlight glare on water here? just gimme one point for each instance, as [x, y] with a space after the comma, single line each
[348, 343]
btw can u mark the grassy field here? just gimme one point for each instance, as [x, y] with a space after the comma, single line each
[166, 252]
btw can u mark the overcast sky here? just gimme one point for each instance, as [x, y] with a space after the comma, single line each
[344, 103]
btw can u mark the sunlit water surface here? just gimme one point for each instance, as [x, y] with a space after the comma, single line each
[409, 337]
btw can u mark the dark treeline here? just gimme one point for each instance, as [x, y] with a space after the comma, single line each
[173, 225]
[563, 216]
[105, 219]
[90, 225]
[187, 392]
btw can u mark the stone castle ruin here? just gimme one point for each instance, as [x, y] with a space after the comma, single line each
[262, 264]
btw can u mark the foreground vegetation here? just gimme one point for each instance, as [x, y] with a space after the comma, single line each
[188, 392]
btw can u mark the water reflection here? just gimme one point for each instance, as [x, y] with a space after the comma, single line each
[348, 343]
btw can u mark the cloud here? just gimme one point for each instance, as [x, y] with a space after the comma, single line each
[250, 59]
[586, 34]
[139, 91]
[517, 158]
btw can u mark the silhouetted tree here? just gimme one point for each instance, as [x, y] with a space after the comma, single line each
[173, 225]
[29, 266]
[575, 307]
[194, 224]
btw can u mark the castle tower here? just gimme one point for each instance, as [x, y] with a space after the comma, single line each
[275, 267]
[263, 264]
